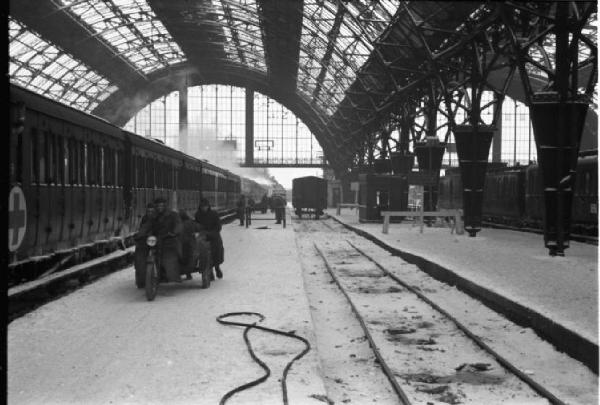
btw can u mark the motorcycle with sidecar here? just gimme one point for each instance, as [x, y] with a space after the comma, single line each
[160, 260]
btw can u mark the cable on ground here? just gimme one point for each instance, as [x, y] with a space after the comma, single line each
[263, 378]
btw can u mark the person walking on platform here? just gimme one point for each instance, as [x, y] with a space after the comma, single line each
[241, 209]
[141, 248]
[278, 204]
[167, 227]
[211, 223]
[189, 247]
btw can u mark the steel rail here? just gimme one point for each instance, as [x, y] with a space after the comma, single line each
[504, 362]
[386, 369]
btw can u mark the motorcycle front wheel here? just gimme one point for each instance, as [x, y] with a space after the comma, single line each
[151, 281]
[206, 275]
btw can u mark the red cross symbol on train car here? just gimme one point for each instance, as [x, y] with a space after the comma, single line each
[17, 218]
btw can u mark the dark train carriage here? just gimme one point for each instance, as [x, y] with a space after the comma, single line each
[216, 187]
[584, 209]
[585, 199]
[309, 194]
[154, 170]
[70, 168]
[233, 190]
[189, 185]
[504, 195]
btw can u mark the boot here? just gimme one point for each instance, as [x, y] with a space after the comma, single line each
[219, 272]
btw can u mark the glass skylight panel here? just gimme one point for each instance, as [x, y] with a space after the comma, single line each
[242, 29]
[43, 68]
[373, 16]
[351, 48]
[131, 28]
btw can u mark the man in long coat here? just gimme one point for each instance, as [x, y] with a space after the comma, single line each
[210, 221]
[167, 227]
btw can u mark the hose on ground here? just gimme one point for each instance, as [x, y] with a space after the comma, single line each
[263, 378]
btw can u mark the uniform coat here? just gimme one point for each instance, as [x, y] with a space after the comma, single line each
[167, 227]
[211, 223]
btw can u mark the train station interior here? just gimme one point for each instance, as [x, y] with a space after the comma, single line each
[302, 201]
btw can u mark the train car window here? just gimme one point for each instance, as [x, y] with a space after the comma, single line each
[150, 175]
[112, 163]
[109, 167]
[50, 159]
[95, 173]
[118, 169]
[85, 163]
[58, 161]
[160, 174]
[135, 167]
[35, 157]
[42, 157]
[90, 164]
[16, 153]
[71, 161]
[76, 161]
[136, 172]
[167, 175]
[102, 165]
[145, 178]
[587, 182]
[80, 162]
[105, 154]
[47, 179]
[64, 161]
[153, 173]
[140, 171]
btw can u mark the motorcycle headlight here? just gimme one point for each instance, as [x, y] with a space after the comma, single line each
[151, 241]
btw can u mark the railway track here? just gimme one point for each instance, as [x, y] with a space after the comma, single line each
[427, 355]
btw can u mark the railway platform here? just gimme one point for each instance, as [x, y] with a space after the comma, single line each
[104, 343]
[371, 340]
[509, 271]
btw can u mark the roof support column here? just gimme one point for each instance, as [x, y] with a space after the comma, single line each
[249, 127]
[497, 139]
[558, 114]
[183, 119]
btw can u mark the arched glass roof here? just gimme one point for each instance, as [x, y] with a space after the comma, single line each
[335, 43]
[128, 26]
[349, 63]
[46, 69]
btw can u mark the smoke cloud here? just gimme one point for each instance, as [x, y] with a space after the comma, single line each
[222, 153]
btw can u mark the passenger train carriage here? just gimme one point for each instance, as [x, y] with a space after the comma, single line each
[84, 179]
[513, 195]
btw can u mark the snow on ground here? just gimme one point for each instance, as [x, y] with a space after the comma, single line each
[350, 372]
[514, 264]
[105, 343]
[565, 377]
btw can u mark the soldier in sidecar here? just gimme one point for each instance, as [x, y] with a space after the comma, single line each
[174, 248]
